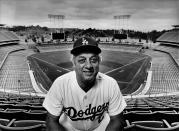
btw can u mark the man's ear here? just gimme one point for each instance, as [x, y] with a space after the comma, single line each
[100, 58]
[73, 61]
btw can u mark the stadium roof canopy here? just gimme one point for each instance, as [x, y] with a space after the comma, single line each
[170, 37]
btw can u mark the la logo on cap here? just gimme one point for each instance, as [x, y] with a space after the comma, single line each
[84, 41]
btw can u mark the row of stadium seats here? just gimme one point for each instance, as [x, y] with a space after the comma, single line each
[168, 101]
[2, 56]
[7, 49]
[21, 106]
[22, 125]
[165, 73]
[22, 113]
[157, 110]
[170, 36]
[155, 116]
[15, 75]
[162, 125]
[7, 37]
[152, 114]
[174, 51]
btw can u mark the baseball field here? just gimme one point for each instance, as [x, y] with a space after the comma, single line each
[129, 69]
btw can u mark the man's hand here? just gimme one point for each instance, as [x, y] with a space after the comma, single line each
[53, 123]
[116, 123]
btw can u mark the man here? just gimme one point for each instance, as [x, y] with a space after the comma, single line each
[84, 99]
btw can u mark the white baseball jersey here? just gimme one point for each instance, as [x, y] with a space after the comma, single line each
[84, 110]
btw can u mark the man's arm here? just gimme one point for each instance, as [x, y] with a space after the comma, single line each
[116, 123]
[53, 123]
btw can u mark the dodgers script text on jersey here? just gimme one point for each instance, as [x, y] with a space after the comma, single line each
[90, 112]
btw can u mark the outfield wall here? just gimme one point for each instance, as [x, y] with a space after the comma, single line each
[140, 76]
[45, 73]
[39, 75]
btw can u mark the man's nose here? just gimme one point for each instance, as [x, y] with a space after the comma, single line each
[88, 64]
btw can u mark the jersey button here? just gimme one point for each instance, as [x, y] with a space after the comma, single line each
[85, 97]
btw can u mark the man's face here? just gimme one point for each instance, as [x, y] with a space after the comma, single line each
[86, 66]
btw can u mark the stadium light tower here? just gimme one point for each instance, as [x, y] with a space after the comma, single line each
[121, 22]
[57, 21]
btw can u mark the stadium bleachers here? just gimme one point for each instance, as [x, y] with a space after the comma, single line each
[174, 51]
[22, 113]
[155, 112]
[170, 37]
[8, 37]
[2, 56]
[165, 74]
[14, 73]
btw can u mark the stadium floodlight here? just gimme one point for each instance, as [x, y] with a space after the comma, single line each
[121, 21]
[57, 22]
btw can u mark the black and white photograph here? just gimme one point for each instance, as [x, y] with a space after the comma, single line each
[89, 65]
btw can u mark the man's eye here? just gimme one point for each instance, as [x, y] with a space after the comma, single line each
[81, 60]
[94, 60]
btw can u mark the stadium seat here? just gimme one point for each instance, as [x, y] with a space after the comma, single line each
[26, 123]
[129, 128]
[11, 102]
[137, 108]
[174, 123]
[156, 124]
[2, 99]
[165, 111]
[139, 116]
[35, 104]
[1, 109]
[38, 127]
[12, 115]
[144, 128]
[176, 108]
[35, 116]
[161, 109]
[140, 111]
[37, 111]
[15, 110]
[169, 117]
[4, 121]
[21, 106]
[37, 108]
[5, 106]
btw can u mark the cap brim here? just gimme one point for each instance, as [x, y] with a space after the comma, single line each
[86, 48]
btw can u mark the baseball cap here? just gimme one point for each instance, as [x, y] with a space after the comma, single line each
[85, 44]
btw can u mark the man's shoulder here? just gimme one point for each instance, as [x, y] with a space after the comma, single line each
[66, 76]
[105, 77]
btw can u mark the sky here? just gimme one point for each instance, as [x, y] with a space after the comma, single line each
[145, 15]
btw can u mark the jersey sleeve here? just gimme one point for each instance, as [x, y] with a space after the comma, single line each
[117, 102]
[53, 102]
